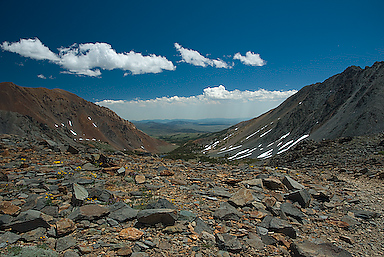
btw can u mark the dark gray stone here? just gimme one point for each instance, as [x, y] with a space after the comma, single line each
[278, 225]
[116, 206]
[302, 197]
[153, 216]
[123, 214]
[27, 221]
[186, 215]
[350, 221]
[228, 242]
[51, 210]
[202, 226]
[34, 235]
[65, 243]
[71, 253]
[309, 249]
[292, 184]
[161, 204]
[139, 254]
[268, 240]
[101, 194]
[5, 219]
[291, 210]
[221, 192]
[9, 237]
[227, 212]
[90, 167]
[255, 241]
[365, 214]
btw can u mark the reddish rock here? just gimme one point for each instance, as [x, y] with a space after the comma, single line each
[9, 208]
[65, 226]
[140, 179]
[242, 197]
[131, 233]
[167, 173]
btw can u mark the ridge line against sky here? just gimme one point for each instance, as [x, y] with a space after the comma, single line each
[171, 59]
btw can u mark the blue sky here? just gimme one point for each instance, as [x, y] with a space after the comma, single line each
[179, 59]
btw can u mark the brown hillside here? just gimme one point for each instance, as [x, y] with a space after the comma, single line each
[74, 117]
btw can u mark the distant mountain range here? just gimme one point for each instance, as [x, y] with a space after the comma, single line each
[166, 127]
[64, 117]
[347, 104]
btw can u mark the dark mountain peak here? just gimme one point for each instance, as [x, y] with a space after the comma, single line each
[67, 117]
[346, 104]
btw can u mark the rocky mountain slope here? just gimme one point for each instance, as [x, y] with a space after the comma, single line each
[63, 204]
[62, 116]
[347, 104]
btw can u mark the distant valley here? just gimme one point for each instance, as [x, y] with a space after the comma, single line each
[180, 131]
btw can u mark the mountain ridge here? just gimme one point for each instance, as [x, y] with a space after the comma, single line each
[68, 118]
[346, 104]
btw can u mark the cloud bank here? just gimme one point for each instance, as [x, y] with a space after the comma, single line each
[90, 58]
[195, 58]
[87, 59]
[250, 58]
[214, 102]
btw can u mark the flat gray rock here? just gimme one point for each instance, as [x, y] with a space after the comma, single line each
[153, 216]
[27, 221]
[302, 197]
[309, 249]
[123, 214]
[228, 242]
[90, 167]
[291, 210]
[221, 192]
[292, 184]
[227, 212]
[278, 225]
[202, 226]
[34, 235]
[65, 243]
[9, 237]
[79, 192]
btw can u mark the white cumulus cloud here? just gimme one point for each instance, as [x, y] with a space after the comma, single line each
[88, 59]
[195, 58]
[31, 48]
[41, 76]
[250, 58]
[214, 102]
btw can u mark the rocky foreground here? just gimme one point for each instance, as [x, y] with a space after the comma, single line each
[57, 201]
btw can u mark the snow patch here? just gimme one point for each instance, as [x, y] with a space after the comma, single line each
[251, 135]
[94, 124]
[265, 155]
[89, 118]
[294, 143]
[265, 133]
[73, 132]
[239, 153]
[231, 148]
[70, 123]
